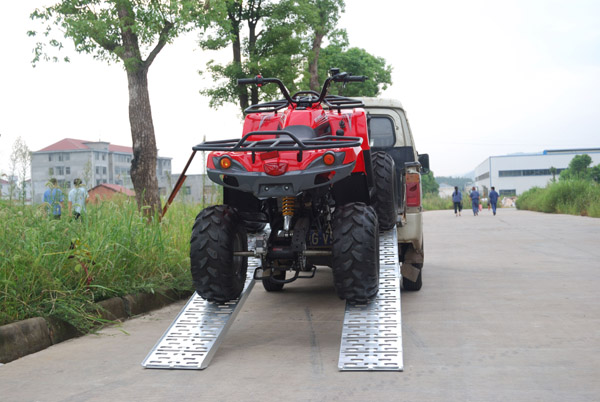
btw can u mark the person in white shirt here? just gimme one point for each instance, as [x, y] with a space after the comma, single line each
[77, 199]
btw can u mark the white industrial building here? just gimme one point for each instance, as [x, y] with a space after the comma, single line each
[514, 174]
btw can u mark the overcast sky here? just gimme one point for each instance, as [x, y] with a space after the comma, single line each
[477, 78]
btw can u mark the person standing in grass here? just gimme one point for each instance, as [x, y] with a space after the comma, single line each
[493, 199]
[54, 197]
[77, 199]
[475, 201]
[457, 200]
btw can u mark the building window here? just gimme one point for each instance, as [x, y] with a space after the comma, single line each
[67, 170]
[51, 171]
[104, 170]
[510, 173]
[507, 193]
[103, 157]
[187, 190]
[97, 155]
[60, 171]
[97, 169]
[49, 157]
[98, 182]
[483, 176]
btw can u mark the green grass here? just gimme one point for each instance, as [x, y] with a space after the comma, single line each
[433, 202]
[60, 268]
[573, 197]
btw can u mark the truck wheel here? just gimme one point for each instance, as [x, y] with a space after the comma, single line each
[409, 285]
[385, 197]
[272, 286]
[355, 252]
[218, 275]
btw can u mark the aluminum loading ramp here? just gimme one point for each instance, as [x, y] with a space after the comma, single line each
[371, 335]
[372, 332]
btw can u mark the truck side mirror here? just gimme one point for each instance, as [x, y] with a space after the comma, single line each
[424, 161]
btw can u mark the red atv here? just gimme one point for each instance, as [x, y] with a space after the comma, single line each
[304, 167]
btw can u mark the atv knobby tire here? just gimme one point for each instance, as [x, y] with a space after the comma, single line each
[385, 197]
[218, 275]
[355, 252]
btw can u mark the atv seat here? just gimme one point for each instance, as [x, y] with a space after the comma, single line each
[301, 132]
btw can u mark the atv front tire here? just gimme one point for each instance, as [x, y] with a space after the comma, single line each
[385, 197]
[217, 274]
[355, 252]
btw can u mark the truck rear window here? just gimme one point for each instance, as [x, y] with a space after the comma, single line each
[382, 132]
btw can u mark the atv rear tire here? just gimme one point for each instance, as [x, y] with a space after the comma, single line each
[385, 197]
[218, 275]
[355, 252]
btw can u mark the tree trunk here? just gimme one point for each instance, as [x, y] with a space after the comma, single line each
[313, 67]
[143, 165]
[235, 15]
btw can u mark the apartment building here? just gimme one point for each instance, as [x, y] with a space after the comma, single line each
[95, 162]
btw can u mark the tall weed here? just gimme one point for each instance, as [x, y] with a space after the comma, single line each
[60, 268]
[573, 197]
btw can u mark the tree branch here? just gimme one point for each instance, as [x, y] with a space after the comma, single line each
[162, 41]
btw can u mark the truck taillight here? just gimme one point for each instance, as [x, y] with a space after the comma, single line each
[413, 190]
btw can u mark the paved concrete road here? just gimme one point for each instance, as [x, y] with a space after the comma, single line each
[509, 311]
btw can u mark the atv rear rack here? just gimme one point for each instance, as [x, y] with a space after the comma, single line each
[293, 143]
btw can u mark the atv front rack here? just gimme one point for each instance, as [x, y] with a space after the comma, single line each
[331, 101]
[293, 143]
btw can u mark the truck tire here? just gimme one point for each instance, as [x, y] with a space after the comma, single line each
[272, 286]
[385, 197]
[355, 252]
[218, 276]
[411, 286]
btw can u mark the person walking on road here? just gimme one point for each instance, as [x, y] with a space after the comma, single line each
[54, 197]
[493, 199]
[77, 199]
[457, 200]
[475, 201]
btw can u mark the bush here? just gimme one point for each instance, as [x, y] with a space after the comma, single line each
[574, 197]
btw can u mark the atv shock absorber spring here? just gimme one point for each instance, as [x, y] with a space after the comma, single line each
[287, 208]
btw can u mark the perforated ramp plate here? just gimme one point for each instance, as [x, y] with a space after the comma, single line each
[372, 332]
[194, 337]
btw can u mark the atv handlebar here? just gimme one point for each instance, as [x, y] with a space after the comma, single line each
[260, 81]
[336, 76]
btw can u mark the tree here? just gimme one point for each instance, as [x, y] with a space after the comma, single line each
[430, 186]
[321, 17]
[131, 32]
[553, 173]
[578, 168]
[264, 38]
[357, 62]
[283, 39]
[20, 163]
